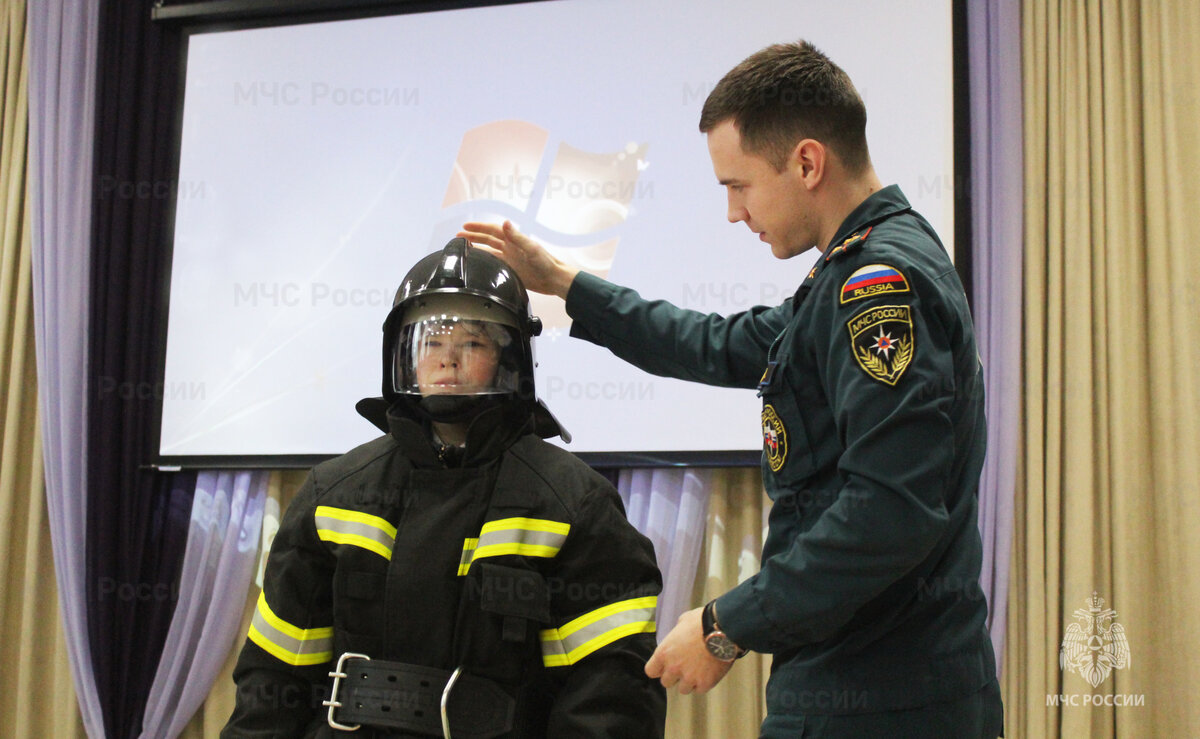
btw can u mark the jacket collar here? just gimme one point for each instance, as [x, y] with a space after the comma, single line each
[489, 435]
[879, 206]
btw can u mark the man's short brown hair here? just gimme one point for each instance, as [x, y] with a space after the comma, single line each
[785, 93]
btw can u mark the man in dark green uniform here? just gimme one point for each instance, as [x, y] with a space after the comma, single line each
[873, 426]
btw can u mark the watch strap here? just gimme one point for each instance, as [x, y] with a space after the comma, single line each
[708, 618]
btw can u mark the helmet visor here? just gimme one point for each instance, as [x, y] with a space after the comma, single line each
[452, 355]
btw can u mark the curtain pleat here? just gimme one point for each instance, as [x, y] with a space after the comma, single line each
[138, 521]
[669, 506]
[62, 50]
[218, 571]
[36, 694]
[734, 530]
[1109, 494]
[280, 488]
[994, 45]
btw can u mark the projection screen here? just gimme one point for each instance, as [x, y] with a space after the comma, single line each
[319, 161]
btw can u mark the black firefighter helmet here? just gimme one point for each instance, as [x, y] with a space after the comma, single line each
[459, 336]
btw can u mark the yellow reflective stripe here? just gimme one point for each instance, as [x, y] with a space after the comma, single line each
[580, 637]
[529, 537]
[341, 526]
[464, 562]
[526, 550]
[526, 524]
[287, 642]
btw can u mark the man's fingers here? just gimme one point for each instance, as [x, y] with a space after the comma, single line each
[481, 240]
[490, 229]
[485, 248]
[481, 237]
[654, 666]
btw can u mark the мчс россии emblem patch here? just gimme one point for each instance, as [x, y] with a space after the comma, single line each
[881, 339]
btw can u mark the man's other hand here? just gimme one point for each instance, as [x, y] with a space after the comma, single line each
[682, 659]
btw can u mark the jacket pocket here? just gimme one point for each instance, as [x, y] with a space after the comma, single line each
[512, 603]
[359, 604]
[788, 458]
[515, 593]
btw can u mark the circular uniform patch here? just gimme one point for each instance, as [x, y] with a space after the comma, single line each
[774, 438]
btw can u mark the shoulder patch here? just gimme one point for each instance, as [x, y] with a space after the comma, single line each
[882, 341]
[873, 279]
[852, 243]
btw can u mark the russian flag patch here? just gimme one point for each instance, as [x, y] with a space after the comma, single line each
[873, 279]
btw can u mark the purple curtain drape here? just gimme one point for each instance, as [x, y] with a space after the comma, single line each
[218, 570]
[994, 50]
[62, 99]
[670, 506]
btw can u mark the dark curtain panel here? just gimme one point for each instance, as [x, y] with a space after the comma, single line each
[137, 518]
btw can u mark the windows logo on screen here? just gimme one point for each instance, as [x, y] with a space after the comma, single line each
[574, 202]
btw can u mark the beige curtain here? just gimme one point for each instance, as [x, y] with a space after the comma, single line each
[736, 521]
[1110, 500]
[37, 698]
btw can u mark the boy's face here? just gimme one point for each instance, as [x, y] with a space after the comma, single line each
[456, 358]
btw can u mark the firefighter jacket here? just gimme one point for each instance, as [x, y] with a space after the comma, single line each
[873, 442]
[516, 563]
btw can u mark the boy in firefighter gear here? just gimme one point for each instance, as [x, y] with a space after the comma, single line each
[457, 576]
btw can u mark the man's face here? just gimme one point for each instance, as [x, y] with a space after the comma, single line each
[773, 204]
[456, 358]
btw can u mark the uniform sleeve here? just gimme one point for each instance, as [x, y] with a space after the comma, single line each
[603, 601]
[887, 366]
[664, 340]
[283, 666]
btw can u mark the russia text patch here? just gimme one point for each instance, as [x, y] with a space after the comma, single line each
[873, 279]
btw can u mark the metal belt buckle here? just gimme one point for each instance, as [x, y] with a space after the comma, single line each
[339, 672]
[446, 701]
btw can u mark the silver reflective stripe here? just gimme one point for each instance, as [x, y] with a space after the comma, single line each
[341, 526]
[529, 537]
[580, 637]
[287, 642]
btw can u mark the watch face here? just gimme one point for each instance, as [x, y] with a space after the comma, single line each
[721, 647]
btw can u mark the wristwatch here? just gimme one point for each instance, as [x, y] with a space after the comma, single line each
[719, 645]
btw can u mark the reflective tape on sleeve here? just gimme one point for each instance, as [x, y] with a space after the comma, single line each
[341, 526]
[287, 642]
[528, 537]
[575, 640]
[468, 552]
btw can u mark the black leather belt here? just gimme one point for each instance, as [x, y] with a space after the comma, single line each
[425, 700]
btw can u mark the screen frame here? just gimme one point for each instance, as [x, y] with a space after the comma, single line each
[192, 18]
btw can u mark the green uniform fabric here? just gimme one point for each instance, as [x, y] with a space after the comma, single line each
[874, 437]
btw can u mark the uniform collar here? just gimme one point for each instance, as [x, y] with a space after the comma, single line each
[878, 207]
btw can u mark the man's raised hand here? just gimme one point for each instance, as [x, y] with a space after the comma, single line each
[540, 271]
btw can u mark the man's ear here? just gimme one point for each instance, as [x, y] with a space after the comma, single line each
[808, 160]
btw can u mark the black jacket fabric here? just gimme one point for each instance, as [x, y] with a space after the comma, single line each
[873, 442]
[515, 562]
